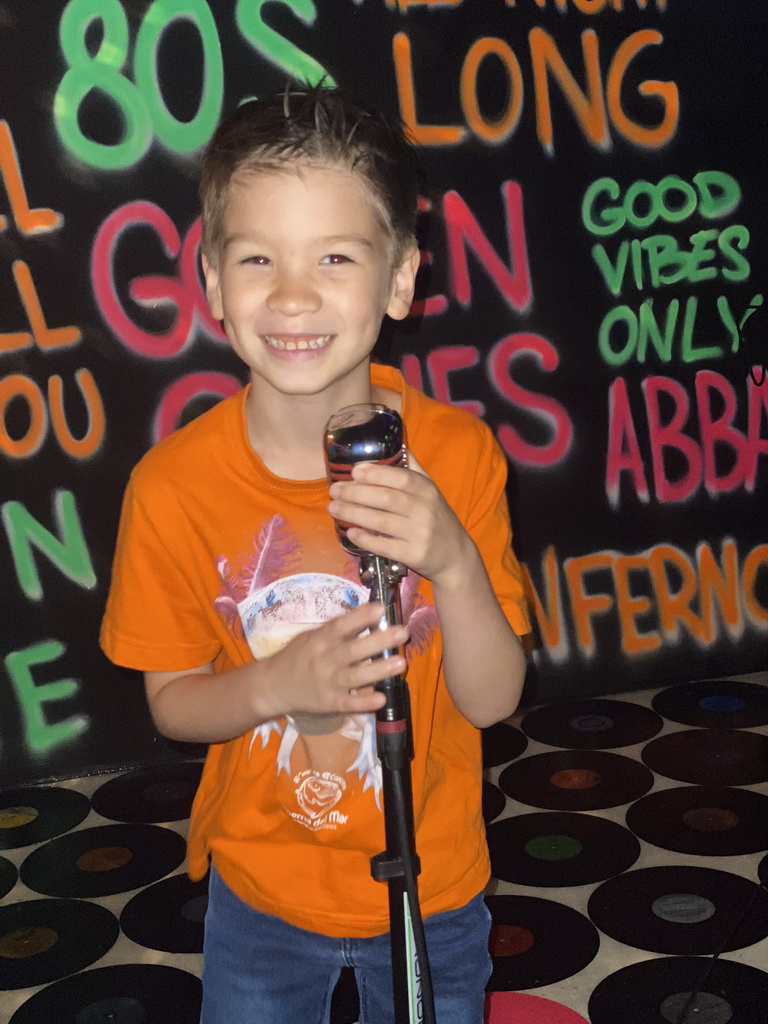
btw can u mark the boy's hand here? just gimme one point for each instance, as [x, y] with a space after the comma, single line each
[328, 670]
[400, 514]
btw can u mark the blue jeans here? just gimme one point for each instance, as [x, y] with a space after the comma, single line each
[259, 970]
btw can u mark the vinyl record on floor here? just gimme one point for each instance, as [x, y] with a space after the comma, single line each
[9, 873]
[168, 915]
[103, 860]
[762, 871]
[522, 1008]
[715, 704]
[501, 743]
[595, 724]
[43, 940]
[527, 942]
[124, 994]
[663, 989]
[36, 813]
[717, 757]
[575, 780]
[494, 801]
[710, 821]
[681, 910]
[554, 848]
[163, 793]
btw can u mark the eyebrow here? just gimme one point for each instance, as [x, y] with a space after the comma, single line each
[326, 240]
[355, 239]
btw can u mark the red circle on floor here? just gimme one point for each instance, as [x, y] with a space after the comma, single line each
[519, 1008]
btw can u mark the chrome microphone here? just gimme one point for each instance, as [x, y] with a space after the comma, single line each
[362, 433]
[368, 433]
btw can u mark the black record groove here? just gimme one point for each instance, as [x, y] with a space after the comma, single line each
[576, 780]
[43, 940]
[8, 875]
[104, 860]
[710, 821]
[762, 871]
[528, 942]
[36, 813]
[658, 991]
[551, 849]
[125, 994]
[717, 757]
[164, 793]
[681, 910]
[715, 704]
[168, 915]
[502, 743]
[595, 724]
[494, 801]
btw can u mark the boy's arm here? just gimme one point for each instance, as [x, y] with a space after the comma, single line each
[483, 658]
[327, 670]
[400, 514]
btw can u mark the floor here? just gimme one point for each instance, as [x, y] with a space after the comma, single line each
[629, 843]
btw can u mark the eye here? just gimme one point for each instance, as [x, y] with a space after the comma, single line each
[335, 259]
[259, 261]
[270, 599]
[352, 597]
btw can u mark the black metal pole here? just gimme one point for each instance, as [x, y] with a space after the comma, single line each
[399, 864]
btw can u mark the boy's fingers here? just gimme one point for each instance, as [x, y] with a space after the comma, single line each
[350, 624]
[378, 641]
[381, 476]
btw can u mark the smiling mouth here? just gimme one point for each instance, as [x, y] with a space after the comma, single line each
[314, 341]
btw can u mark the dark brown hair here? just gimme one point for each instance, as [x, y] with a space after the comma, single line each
[317, 126]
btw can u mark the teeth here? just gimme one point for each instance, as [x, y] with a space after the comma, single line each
[293, 346]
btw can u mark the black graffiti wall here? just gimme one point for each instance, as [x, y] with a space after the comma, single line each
[594, 234]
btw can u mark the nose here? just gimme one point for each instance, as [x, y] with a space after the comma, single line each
[293, 293]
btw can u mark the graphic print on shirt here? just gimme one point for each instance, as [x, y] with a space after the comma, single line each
[322, 761]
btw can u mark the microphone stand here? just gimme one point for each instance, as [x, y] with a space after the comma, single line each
[373, 433]
[399, 864]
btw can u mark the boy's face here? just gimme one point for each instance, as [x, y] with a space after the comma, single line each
[304, 276]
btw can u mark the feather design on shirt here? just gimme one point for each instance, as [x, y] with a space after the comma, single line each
[276, 554]
[420, 617]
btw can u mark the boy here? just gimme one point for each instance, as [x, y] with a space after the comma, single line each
[233, 595]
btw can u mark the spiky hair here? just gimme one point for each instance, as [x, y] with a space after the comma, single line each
[314, 126]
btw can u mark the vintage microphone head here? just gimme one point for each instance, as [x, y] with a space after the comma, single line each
[361, 433]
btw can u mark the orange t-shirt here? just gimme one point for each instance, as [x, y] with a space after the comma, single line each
[219, 560]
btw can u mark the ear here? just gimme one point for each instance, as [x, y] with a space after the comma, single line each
[212, 288]
[403, 284]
